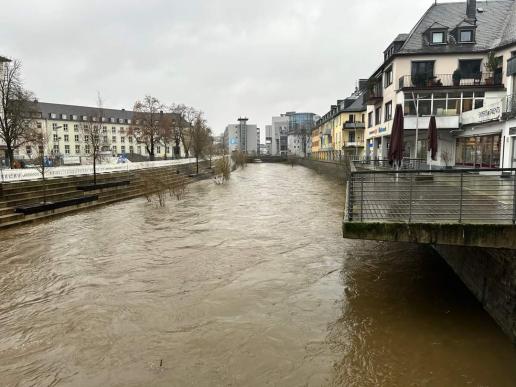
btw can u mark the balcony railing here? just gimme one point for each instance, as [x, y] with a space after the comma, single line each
[354, 144]
[424, 81]
[354, 125]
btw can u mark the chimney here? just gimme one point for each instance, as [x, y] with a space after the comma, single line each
[471, 9]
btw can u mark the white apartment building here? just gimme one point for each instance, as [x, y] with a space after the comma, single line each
[67, 139]
[290, 134]
[243, 137]
[457, 64]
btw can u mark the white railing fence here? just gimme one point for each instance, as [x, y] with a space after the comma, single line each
[10, 175]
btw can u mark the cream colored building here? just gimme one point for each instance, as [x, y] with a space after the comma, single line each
[64, 126]
[455, 63]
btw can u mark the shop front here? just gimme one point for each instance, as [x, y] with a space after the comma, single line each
[482, 151]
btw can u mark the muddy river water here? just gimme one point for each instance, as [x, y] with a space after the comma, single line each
[244, 284]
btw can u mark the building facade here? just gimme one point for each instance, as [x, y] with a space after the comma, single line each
[243, 137]
[291, 134]
[456, 64]
[342, 128]
[66, 129]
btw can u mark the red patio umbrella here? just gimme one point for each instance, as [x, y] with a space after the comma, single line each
[396, 148]
[432, 138]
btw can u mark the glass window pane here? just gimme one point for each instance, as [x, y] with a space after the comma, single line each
[439, 107]
[425, 108]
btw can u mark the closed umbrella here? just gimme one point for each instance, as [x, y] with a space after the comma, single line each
[432, 138]
[396, 148]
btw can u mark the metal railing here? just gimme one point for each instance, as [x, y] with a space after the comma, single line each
[444, 196]
[424, 81]
[383, 164]
[334, 156]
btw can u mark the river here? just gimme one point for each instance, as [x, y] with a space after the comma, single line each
[248, 283]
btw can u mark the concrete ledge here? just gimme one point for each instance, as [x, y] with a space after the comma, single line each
[475, 235]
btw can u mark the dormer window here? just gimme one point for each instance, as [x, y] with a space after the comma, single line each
[466, 36]
[438, 37]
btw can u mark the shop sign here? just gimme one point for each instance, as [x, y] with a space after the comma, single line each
[382, 130]
[484, 114]
[373, 132]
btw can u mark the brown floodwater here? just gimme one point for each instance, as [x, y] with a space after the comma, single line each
[244, 284]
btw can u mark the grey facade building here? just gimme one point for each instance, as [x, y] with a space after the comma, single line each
[243, 137]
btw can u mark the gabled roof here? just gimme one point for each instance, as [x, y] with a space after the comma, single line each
[4, 59]
[437, 25]
[497, 23]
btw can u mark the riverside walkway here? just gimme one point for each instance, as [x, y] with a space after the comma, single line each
[466, 207]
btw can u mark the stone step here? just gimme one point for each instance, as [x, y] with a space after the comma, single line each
[10, 218]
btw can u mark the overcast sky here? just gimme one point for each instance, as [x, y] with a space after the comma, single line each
[226, 57]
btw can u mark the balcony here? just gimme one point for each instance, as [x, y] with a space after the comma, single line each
[354, 125]
[374, 93]
[424, 82]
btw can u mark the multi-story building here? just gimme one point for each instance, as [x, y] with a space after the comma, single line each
[66, 127]
[458, 65]
[243, 137]
[290, 134]
[270, 146]
[342, 128]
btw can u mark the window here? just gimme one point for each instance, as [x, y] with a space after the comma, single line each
[56, 149]
[104, 129]
[423, 68]
[122, 149]
[56, 138]
[84, 118]
[65, 127]
[167, 149]
[54, 126]
[438, 37]
[67, 149]
[113, 138]
[139, 148]
[77, 149]
[131, 149]
[158, 149]
[28, 150]
[74, 117]
[86, 138]
[38, 125]
[351, 137]
[76, 138]
[113, 130]
[66, 138]
[114, 148]
[75, 127]
[370, 119]
[105, 139]
[466, 36]
[378, 116]
[470, 68]
[130, 139]
[87, 149]
[53, 116]
[64, 116]
[112, 119]
[388, 111]
[122, 139]
[388, 78]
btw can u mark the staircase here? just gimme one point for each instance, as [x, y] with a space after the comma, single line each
[31, 192]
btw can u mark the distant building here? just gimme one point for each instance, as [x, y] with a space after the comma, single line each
[243, 137]
[290, 134]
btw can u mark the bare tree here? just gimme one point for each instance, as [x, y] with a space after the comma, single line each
[17, 111]
[186, 119]
[94, 135]
[147, 116]
[37, 150]
[200, 135]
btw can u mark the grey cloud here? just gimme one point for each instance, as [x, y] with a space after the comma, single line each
[227, 57]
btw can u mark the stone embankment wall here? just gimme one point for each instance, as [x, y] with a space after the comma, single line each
[490, 274]
[339, 170]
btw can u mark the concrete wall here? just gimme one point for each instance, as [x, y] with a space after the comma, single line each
[490, 274]
[339, 171]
